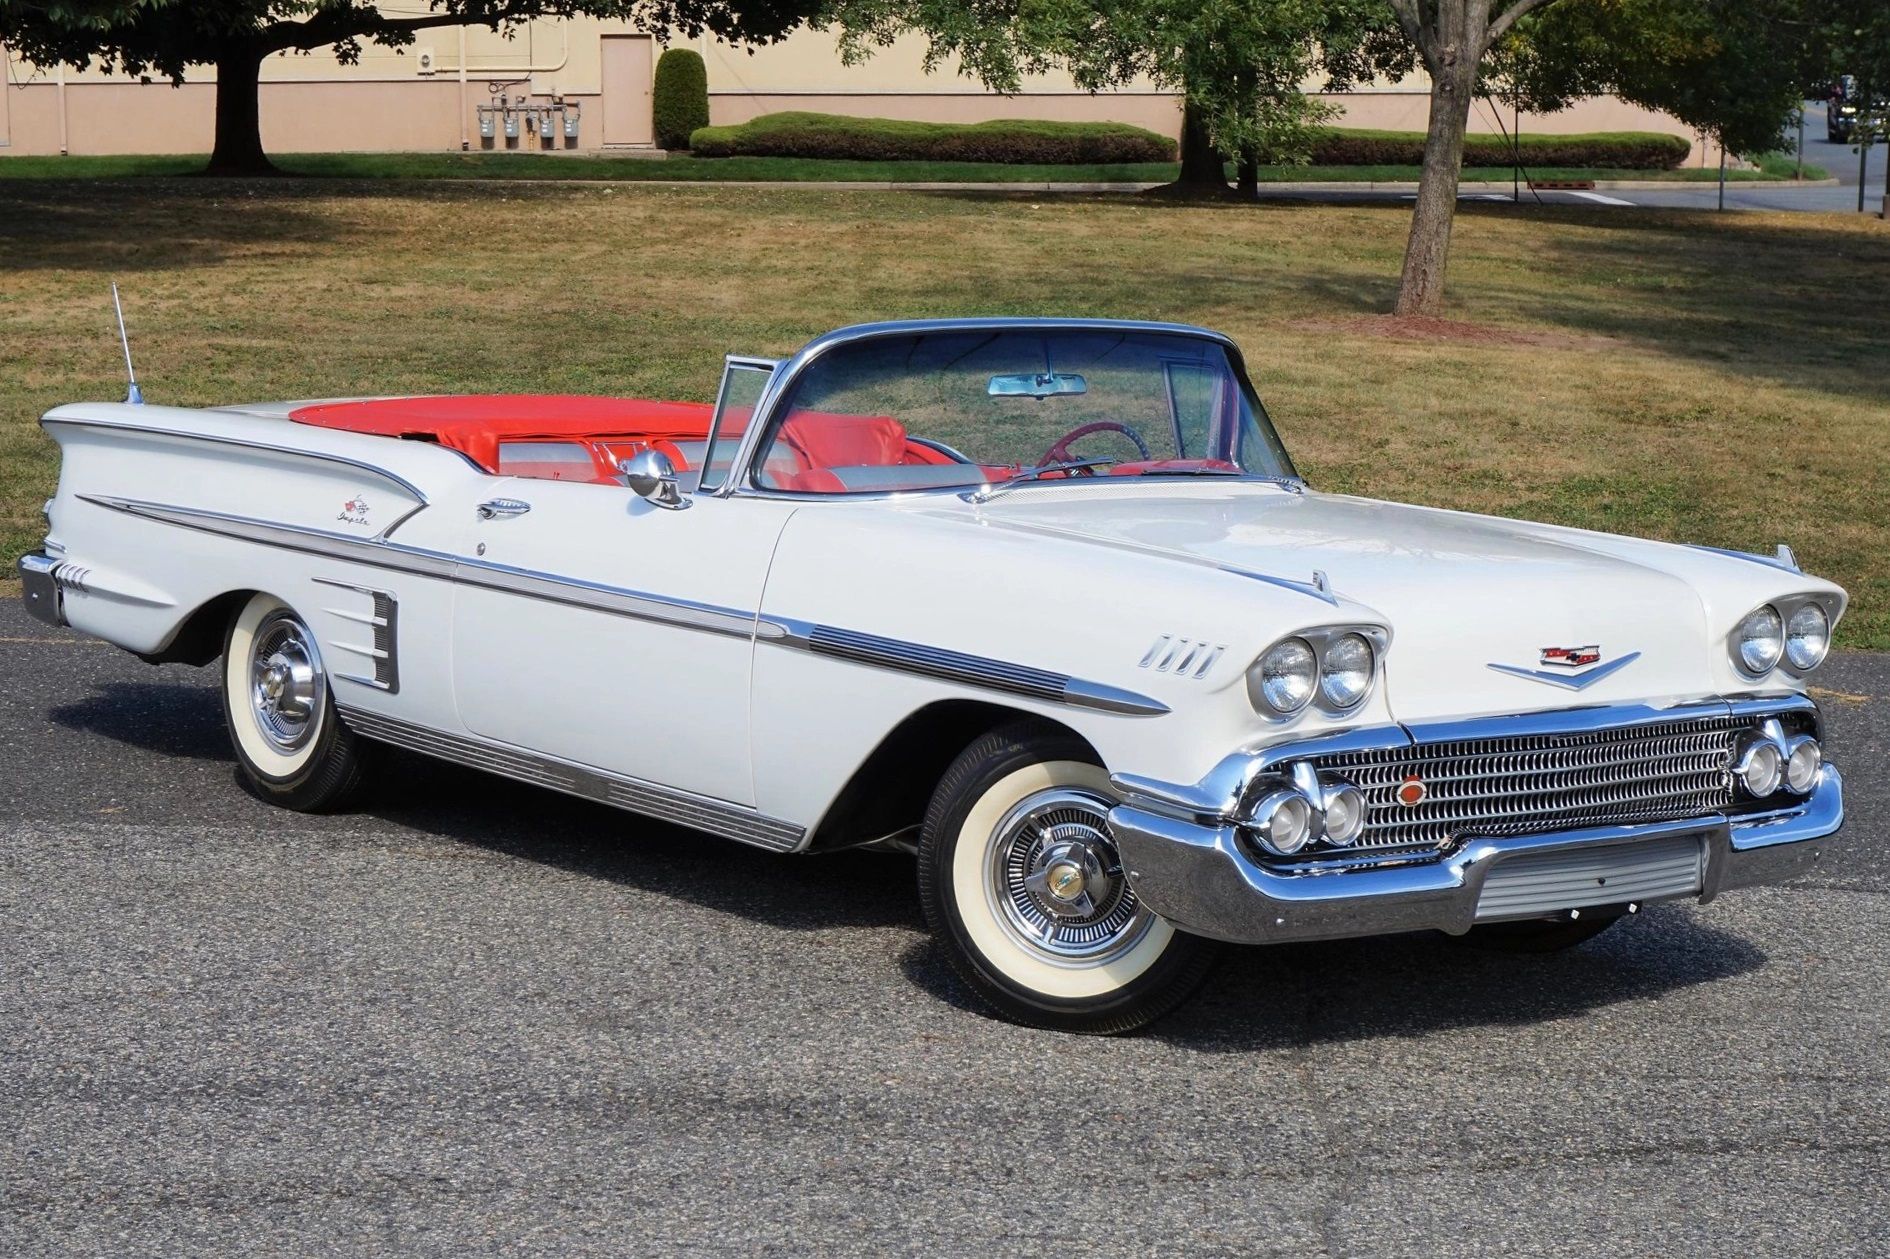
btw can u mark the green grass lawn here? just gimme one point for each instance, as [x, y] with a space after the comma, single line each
[772, 169]
[1691, 376]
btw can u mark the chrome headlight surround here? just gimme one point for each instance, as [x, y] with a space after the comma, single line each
[1335, 650]
[1814, 615]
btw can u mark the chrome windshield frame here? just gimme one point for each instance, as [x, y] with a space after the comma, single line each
[732, 363]
[742, 480]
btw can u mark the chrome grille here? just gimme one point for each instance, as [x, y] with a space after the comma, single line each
[1535, 784]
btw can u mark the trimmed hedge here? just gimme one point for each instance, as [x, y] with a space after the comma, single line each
[1010, 141]
[680, 98]
[1613, 150]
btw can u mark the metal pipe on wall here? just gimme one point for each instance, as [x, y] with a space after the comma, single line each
[564, 58]
[63, 146]
[465, 136]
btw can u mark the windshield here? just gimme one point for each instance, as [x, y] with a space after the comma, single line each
[973, 407]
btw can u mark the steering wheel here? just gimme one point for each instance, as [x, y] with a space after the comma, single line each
[1060, 452]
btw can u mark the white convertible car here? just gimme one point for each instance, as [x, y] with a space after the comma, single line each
[1041, 601]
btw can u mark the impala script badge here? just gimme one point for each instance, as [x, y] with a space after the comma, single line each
[354, 511]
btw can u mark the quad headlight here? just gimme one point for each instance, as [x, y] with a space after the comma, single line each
[1334, 667]
[1346, 669]
[1759, 641]
[1282, 680]
[1807, 637]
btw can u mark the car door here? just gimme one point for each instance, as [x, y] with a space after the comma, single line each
[596, 627]
[603, 628]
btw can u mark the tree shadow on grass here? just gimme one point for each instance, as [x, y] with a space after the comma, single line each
[134, 226]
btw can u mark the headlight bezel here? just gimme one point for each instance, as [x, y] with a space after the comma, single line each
[1321, 639]
[1791, 663]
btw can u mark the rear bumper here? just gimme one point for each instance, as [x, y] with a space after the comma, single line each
[1198, 874]
[39, 591]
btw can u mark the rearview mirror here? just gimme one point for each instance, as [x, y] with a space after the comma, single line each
[1037, 385]
[651, 475]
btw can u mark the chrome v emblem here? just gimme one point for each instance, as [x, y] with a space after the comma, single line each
[1567, 680]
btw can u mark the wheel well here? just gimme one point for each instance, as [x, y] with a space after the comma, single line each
[199, 640]
[890, 790]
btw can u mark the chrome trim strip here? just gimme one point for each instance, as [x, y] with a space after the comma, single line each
[956, 666]
[633, 795]
[400, 558]
[1570, 681]
[246, 444]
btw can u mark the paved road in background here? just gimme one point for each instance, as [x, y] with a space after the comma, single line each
[1840, 160]
[475, 1018]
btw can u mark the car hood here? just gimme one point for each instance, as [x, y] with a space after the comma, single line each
[1460, 593]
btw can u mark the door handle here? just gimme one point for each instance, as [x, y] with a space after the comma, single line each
[495, 507]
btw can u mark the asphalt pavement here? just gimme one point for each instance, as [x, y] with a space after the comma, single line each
[475, 1018]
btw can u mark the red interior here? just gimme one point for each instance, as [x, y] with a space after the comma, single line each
[611, 429]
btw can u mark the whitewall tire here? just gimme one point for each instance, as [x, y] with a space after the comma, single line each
[291, 746]
[1022, 885]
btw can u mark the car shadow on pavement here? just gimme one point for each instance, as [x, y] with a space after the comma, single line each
[162, 718]
[1299, 995]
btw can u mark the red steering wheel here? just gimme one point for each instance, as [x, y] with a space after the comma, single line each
[1060, 452]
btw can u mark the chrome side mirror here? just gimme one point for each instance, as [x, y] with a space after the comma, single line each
[652, 476]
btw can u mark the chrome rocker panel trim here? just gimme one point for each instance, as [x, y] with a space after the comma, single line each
[633, 795]
[1196, 875]
[39, 588]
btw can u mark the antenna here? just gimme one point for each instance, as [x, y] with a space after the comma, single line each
[134, 395]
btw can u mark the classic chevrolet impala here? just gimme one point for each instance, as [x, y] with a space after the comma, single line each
[1042, 602]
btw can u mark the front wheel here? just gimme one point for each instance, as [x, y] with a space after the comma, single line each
[1022, 885]
[291, 746]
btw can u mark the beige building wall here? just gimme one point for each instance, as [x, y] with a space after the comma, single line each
[425, 97]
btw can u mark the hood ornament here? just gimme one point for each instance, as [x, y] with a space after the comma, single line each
[1573, 668]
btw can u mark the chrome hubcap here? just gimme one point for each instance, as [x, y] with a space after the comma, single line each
[287, 688]
[1057, 882]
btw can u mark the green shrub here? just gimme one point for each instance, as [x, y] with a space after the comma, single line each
[1615, 150]
[890, 139]
[680, 100]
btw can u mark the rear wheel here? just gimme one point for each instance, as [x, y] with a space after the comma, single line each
[1537, 936]
[1022, 884]
[292, 748]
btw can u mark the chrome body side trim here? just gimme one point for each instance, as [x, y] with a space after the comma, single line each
[642, 605]
[1199, 877]
[39, 589]
[633, 795]
[960, 667]
[400, 558]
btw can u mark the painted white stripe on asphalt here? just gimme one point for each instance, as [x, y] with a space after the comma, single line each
[1595, 196]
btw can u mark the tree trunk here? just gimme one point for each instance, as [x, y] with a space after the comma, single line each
[238, 149]
[1201, 167]
[1247, 176]
[1421, 287]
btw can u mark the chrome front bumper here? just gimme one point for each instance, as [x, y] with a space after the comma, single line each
[1199, 876]
[39, 591]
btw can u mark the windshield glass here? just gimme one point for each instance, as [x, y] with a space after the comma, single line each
[964, 408]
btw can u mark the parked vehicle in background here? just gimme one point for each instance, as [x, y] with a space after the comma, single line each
[1043, 603]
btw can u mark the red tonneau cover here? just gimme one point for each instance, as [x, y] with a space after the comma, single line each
[477, 423]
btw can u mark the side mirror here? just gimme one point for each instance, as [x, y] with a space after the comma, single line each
[652, 476]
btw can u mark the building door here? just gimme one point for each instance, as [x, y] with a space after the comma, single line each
[628, 71]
